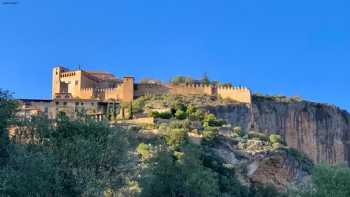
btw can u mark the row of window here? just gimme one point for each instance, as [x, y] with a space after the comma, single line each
[76, 103]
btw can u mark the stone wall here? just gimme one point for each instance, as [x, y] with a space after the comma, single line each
[150, 89]
[113, 93]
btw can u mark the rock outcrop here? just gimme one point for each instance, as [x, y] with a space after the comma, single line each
[256, 162]
[321, 131]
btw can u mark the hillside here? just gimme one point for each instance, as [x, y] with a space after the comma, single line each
[179, 146]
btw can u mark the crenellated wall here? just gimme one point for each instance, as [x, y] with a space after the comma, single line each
[112, 93]
[191, 89]
[240, 94]
[86, 93]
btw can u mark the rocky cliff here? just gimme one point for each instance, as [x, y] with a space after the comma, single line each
[321, 131]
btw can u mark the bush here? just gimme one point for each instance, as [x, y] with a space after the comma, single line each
[153, 114]
[165, 115]
[162, 115]
[257, 135]
[198, 115]
[259, 190]
[180, 115]
[138, 105]
[237, 130]
[274, 138]
[211, 121]
[176, 138]
[144, 150]
[180, 124]
[210, 134]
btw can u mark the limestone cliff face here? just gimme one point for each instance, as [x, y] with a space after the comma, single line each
[319, 130]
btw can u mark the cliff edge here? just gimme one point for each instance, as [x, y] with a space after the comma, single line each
[321, 131]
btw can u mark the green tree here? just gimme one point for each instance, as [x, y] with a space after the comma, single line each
[185, 176]
[33, 173]
[175, 138]
[7, 111]
[178, 80]
[259, 190]
[161, 177]
[67, 158]
[328, 181]
[138, 105]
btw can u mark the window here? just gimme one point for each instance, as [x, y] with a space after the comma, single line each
[81, 103]
[57, 103]
[76, 82]
[64, 103]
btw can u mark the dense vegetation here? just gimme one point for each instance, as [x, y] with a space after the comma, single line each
[84, 157]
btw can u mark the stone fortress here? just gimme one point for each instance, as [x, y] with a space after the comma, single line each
[101, 93]
[82, 84]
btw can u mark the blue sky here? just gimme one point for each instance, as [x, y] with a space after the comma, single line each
[274, 47]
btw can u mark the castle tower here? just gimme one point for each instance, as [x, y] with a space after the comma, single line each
[56, 80]
[128, 89]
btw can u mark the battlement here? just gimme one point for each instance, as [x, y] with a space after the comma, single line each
[197, 86]
[87, 89]
[236, 88]
[239, 93]
[68, 74]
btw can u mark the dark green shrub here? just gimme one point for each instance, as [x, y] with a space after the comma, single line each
[180, 115]
[165, 115]
[198, 115]
[176, 138]
[162, 115]
[210, 134]
[211, 121]
[327, 181]
[257, 135]
[259, 190]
